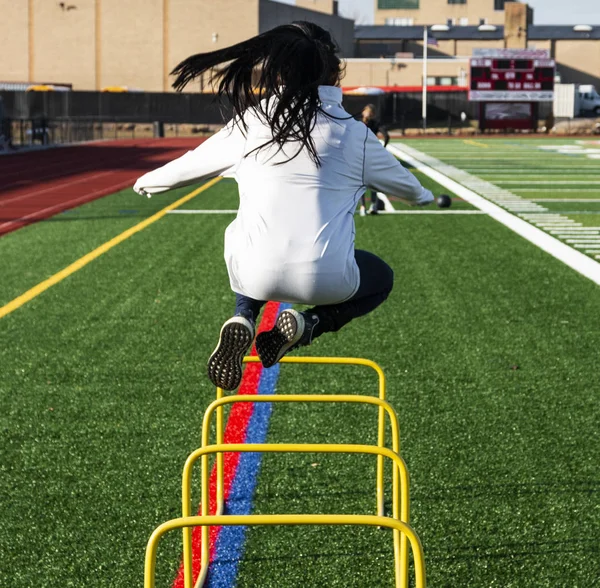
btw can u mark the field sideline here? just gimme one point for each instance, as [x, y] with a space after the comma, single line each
[489, 343]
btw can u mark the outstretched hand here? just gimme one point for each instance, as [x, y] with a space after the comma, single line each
[139, 190]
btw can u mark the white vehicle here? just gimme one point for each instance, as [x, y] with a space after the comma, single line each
[589, 100]
[571, 100]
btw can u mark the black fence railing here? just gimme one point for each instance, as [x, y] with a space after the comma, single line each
[203, 108]
[132, 107]
[68, 117]
[35, 132]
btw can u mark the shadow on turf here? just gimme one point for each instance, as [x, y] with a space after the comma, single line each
[511, 550]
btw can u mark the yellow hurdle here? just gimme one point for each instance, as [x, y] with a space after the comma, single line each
[399, 509]
[364, 520]
[320, 398]
[399, 522]
[357, 361]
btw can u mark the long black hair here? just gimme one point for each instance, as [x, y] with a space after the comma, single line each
[276, 73]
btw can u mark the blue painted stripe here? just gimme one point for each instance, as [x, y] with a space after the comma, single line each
[230, 543]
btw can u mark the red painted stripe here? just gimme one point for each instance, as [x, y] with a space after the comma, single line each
[235, 432]
[410, 89]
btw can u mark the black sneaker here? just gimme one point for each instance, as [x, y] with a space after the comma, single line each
[225, 363]
[292, 329]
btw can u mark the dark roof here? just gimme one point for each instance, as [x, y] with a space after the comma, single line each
[540, 32]
[415, 33]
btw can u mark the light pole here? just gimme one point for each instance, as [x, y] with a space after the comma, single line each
[424, 105]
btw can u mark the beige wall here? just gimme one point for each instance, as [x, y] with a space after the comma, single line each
[541, 45]
[515, 26]
[578, 62]
[14, 63]
[131, 44]
[438, 11]
[318, 5]
[197, 27]
[384, 72]
[63, 43]
[138, 41]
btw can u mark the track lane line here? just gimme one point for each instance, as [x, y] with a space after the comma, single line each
[59, 186]
[64, 205]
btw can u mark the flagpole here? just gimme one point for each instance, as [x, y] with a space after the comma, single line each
[424, 105]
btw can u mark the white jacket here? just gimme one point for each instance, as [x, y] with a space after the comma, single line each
[293, 237]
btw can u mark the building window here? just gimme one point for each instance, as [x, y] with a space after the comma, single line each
[483, 21]
[499, 4]
[457, 1]
[400, 22]
[442, 81]
[397, 4]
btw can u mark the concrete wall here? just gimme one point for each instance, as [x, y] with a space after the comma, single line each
[203, 26]
[132, 44]
[137, 42]
[14, 26]
[273, 14]
[515, 26]
[325, 6]
[64, 42]
[438, 11]
[578, 62]
[115, 43]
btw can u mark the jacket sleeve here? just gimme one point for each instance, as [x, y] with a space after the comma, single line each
[218, 155]
[384, 173]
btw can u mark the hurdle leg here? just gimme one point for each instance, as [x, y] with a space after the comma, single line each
[380, 443]
[204, 506]
[400, 513]
[220, 466]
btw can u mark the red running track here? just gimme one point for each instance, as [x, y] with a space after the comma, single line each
[39, 184]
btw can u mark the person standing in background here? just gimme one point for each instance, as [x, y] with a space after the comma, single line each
[369, 118]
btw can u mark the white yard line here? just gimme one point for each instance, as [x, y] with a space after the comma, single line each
[382, 212]
[467, 212]
[549, 182]
[584, 200]
[558, 189]
[444, 174]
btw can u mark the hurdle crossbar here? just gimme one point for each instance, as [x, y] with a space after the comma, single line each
[356, 361]
[315, 398]
[202, 453]
[285, 519]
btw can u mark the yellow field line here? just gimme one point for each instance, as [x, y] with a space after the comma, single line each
[469, 142]
[83, 261]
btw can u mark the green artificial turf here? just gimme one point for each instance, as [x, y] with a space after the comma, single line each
[493, 374]
[489, 345]
[37, 251]
[529, 169]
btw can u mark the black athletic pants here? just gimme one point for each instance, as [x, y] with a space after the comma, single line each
[376, 283]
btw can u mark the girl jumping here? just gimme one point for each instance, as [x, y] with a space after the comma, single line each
[301, 163]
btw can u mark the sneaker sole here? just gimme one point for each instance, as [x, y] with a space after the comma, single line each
[225, 363]
[272, 345]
